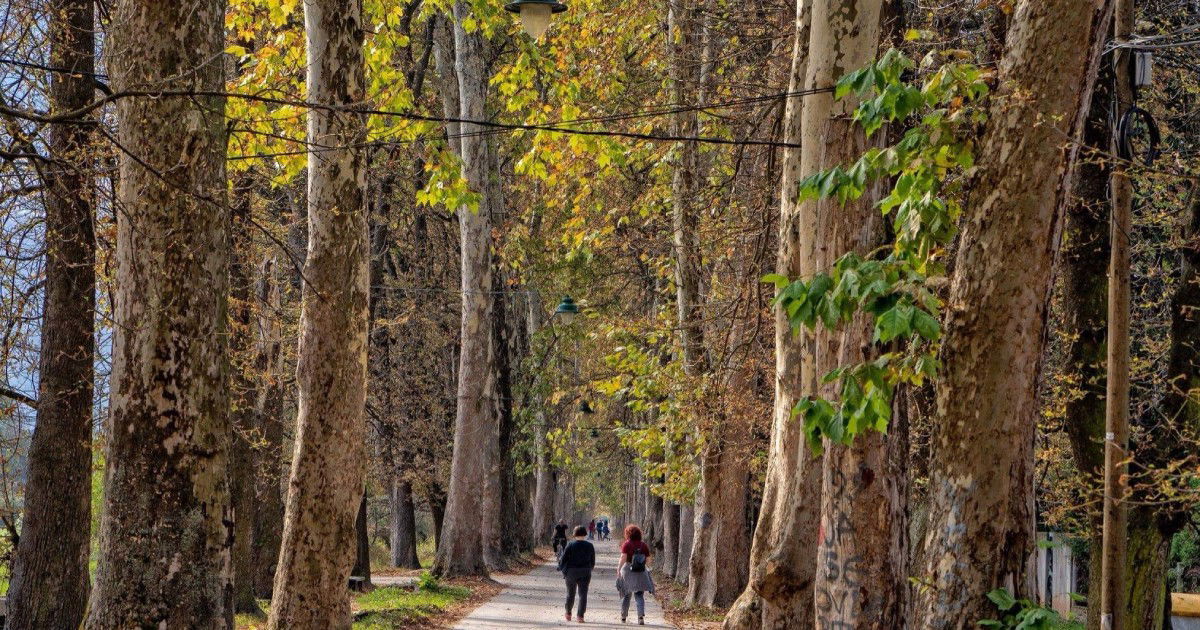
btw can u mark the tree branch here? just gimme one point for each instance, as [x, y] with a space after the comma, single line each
[9, 392]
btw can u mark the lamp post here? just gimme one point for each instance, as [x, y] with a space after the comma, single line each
[567, 310]
[535, 14]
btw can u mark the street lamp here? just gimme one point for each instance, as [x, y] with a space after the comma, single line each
[535, 14]
[567, 310]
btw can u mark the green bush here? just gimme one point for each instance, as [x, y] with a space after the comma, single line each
[1023, 614]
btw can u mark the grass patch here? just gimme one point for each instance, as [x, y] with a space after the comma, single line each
[426, 552]
[392, 607]
[387, 608]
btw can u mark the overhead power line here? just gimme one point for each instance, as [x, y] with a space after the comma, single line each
[78, 116]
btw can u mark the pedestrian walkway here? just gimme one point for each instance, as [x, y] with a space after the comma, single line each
[536, 599]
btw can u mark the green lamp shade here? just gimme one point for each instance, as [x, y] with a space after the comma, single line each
[567, 309]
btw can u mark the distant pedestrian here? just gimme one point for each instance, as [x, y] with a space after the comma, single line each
[591, 530]
[633, 573]
[576, 564]
[560, 537]
[604, 531]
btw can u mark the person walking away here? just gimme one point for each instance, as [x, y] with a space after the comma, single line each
[591, 530]
[633, 573]
[576, 564]
[604, 531]
[560, 538]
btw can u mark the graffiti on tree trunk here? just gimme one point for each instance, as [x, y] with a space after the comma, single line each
[838, 592]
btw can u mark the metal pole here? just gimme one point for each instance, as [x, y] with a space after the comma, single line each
[1113, 593]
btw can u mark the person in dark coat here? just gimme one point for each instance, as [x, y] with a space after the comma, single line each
[560, 538]
[576, 564]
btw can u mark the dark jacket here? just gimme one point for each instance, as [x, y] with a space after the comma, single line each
[579, 554]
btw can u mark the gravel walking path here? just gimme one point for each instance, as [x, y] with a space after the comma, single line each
[536, 600]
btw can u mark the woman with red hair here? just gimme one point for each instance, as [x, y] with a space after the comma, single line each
[633, 573]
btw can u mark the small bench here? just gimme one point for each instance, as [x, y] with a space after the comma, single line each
[358, 584]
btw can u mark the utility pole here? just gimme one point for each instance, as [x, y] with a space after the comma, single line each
[1113, 593]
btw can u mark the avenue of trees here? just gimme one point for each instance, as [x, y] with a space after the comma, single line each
[282, 295]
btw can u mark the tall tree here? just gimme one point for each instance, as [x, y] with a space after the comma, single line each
[864, 530]
[166, 527]
[269, 469]
[716, 564]
[463, 548]
[1083, 299]
[683, 541]
[779, 594]
[243, 404]
[1084, 318]
[545, 479]
[326, 482]
[50, 580]
[362, 544]
[981, 513]
[403, 526]
[670, 528]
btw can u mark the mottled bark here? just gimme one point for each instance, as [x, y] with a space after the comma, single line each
[326, 481]
[862, 558]
[653, 522]
[50, 580]
[686, 181]
[719, 564]
[1084, 314]
[403, 526]
[436, 499]
[243, 411]
[670, 531]
[981, 520]
[684, 540]
[167, 525]
[269, 466]
[514, 503]
[362, 544]
[544, 486]
[544, 491]
[1084, 291]
[463, 547]
[716, 564]
[779, 594]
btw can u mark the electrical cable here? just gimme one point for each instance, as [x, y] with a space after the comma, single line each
[1126, 132]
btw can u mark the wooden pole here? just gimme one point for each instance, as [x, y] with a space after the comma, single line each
[1116, 440]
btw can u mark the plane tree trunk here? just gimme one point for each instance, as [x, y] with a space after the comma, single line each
[463, 548]
[268, 459]
[403, 526]
[670, 528]
[167, 523]
[683, 557]
[862, 558]
[981, 520]
[779, 593]
[326, 481]
[242, 463]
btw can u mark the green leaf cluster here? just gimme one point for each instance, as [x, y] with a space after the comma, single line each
[1023, 614]
[927, 167]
